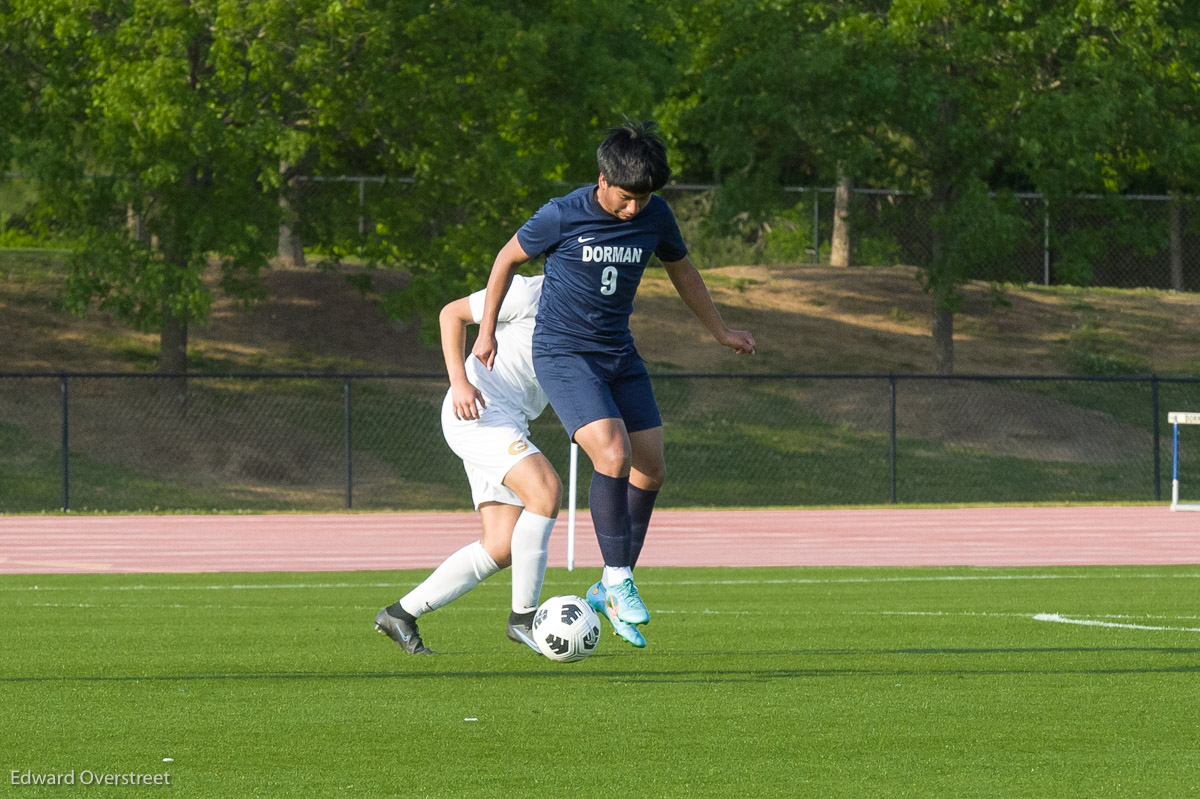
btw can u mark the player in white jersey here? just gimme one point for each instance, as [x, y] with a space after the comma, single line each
[485, 419]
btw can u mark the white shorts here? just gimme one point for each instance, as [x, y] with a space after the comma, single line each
[489, 447]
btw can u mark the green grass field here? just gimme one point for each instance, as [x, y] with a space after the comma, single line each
[756, 682]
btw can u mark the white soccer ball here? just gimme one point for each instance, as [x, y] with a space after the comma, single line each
[566, 628]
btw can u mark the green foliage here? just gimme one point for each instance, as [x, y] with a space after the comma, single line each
[711, 240]
[1088, 231]
[1095, 351]
[509, 122]
[14, 239]
[977, 236]
[948, 101]
[789, 236]
[185, 112]
[200, 116]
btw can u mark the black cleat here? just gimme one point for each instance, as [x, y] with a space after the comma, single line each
[520, 630]
[403, 632]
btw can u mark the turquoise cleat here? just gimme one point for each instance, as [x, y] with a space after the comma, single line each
[597, 598]
[626, 604]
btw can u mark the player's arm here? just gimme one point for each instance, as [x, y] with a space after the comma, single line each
[452, 322]
[690, 285]
[507, 260]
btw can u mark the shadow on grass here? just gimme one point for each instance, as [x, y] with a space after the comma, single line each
[692, 675]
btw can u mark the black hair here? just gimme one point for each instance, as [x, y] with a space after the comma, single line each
[633, 157]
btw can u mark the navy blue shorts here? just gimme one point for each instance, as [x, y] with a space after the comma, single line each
[585, 388]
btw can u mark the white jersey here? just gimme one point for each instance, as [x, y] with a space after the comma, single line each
[511, 386]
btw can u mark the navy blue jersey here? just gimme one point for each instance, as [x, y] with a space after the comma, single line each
[594, 264]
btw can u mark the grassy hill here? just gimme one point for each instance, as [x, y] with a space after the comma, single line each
[805, 319]
[281, 444]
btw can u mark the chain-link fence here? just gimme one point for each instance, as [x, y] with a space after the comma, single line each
[120, 442]
[1144, 241]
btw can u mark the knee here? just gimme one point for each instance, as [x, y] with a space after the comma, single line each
[613, 459]
[547, 498]
[649, 470]
[539, 487]
[500, 552]
[652, 477]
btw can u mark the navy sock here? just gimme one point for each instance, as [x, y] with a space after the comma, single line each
[641, 505]
[608, 499]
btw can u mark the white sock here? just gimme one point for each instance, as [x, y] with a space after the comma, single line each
[615, 574]
[457, 575]
[530, 542]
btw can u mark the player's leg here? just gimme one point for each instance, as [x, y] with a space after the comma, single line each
[607, 445]
[497, 520]
[464, 569]
[537, 484]
[645, 479]
[634, 396]
[455, 576]
[579, 389]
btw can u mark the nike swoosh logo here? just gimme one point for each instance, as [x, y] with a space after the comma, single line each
[582, 240]
[400, 633]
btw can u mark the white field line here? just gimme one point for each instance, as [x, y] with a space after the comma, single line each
[1047, 617]
[1060, 619]
[1093, 621]
[232, 587]
[556, 581]
[177, 606]
[1096, 621]
[1010, 614]
[945, 578]
[364, 608]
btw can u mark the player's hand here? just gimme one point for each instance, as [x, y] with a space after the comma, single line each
[485, 350]
[467, 401]
[740, 341]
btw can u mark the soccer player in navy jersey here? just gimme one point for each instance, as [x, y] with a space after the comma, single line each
[597, 242]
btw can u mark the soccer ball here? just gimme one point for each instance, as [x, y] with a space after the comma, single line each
[566, 628]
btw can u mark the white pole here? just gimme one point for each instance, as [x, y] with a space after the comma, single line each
[572, 482]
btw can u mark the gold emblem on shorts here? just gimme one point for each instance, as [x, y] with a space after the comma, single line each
[517, 447]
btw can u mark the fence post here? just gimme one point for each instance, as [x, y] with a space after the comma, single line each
[349, 445]
[362, 223]
[892, 457]
[1157, 454]
[66, 458]
[1046, 241]
[816, 226]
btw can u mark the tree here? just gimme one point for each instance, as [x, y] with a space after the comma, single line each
[840, 244]
[182, 112]
[1060, 98]
[944, 81]
[765, 101]
[1121, 82]
[912, 94]
[11, 54]
[487, 110]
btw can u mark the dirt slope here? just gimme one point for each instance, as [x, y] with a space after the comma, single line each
[805, 319]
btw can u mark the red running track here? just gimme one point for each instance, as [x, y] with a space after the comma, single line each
[1031, 536]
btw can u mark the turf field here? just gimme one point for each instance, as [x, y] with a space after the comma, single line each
[818, 682]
